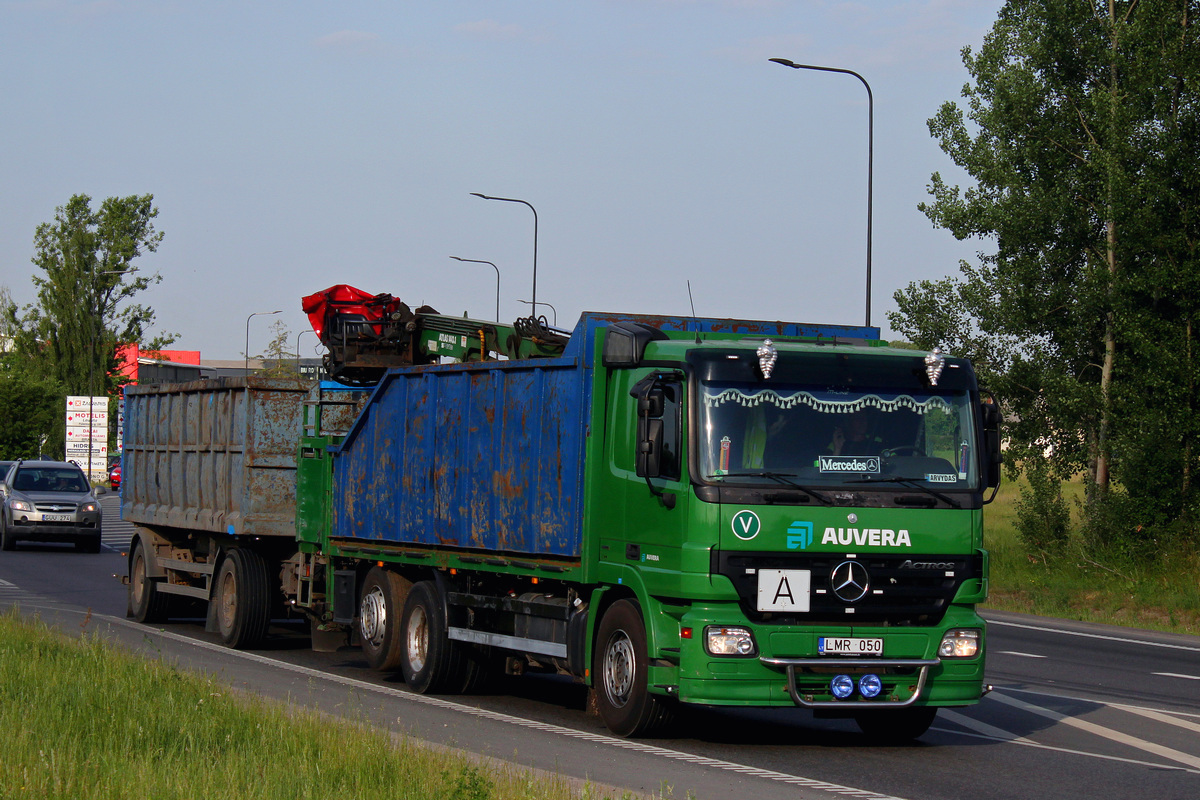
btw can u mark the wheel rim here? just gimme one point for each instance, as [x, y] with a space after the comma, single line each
[372, 616]
[417, 640]
[138, 579]
[619, 665]
[227, 608]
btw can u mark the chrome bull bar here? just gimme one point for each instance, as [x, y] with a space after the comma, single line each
[873, 664]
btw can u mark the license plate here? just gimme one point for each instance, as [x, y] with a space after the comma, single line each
[784, 589]
[57, 518]
[849, 646]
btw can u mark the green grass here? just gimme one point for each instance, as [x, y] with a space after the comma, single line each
[1078, 583]
[79, 718]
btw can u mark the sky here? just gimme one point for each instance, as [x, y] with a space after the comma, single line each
[295, 145]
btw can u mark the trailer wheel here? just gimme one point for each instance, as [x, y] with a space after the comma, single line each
[622, 695]
[900, 725]
[430, 662]
[242, 598]
[379, 609]
[147, 603]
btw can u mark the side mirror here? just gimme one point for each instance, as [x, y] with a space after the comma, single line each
[991, 443]
[649, 448]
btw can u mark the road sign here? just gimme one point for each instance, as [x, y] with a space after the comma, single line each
[97, 434]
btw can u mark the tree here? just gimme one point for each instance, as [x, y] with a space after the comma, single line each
[277, 360]
[83, 309]
[1080, 134]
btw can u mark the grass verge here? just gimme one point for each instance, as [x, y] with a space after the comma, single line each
[83, 719]
[1079, 583]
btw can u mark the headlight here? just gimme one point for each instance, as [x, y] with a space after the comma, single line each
[20, 505]
[960, 643]
[729, 641]
[88, 507]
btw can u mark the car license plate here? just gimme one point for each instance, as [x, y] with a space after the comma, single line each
[849, 646]
[57, 518]
[784, 589]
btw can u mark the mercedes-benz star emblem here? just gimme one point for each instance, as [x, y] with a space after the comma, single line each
[850, 581]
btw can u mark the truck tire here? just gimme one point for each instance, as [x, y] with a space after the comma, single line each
[622, 694]
[430, 662]
[380, 606]
[145, 601]
[243, 599]
[900, 725]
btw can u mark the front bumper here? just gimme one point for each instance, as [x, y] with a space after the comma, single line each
[787, 670]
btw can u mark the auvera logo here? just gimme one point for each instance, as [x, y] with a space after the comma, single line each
[799, 535]
[870, 537]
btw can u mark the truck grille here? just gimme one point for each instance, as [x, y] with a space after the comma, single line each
[904, 589]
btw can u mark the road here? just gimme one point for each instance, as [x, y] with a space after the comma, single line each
[1078, 710]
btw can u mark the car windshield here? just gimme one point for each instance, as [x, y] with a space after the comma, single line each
[825, 436]
[51, 479]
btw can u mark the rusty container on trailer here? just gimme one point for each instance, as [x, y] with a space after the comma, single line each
[214, 455]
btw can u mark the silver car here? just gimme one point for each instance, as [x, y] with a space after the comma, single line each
[49, 501]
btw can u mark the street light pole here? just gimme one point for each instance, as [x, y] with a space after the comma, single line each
[543, 303]
[246, 367]
[870, 155]
[477, 261]
[535, 234]
[298, 335]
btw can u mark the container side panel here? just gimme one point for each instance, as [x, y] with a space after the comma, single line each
[480, 457]
[217, 455]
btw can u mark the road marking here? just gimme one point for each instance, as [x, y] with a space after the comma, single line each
[1094, 636]
[989, 731]
[437, 702]
[1177, 675]
[1159, 716]
[1076, 698]
[1009, 738]
[1099, 730]
[1023, 655]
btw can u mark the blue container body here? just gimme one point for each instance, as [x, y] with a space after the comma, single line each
[489, 456]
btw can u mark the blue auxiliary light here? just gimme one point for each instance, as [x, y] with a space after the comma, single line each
[870, 686]
[842, 686]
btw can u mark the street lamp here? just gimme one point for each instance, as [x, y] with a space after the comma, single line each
[535, 235]
[246, 368]
[870, 154]
[298, 335]
[543, 303]
[477, 261]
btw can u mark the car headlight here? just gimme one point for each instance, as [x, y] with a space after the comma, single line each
[88, 507]
[20, 505]
[721, 641]
[960, 643]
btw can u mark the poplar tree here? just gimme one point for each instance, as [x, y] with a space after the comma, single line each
[1080, 132]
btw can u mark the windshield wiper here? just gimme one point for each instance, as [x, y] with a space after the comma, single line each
[778, 477]
[912, 484]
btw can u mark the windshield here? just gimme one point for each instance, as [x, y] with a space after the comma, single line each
[836, 436]
[50, 479]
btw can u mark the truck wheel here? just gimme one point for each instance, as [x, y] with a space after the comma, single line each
[242, 598]
[146, 602]
[430, 662]
[900, 725]
[622, 696]
[379, 609]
